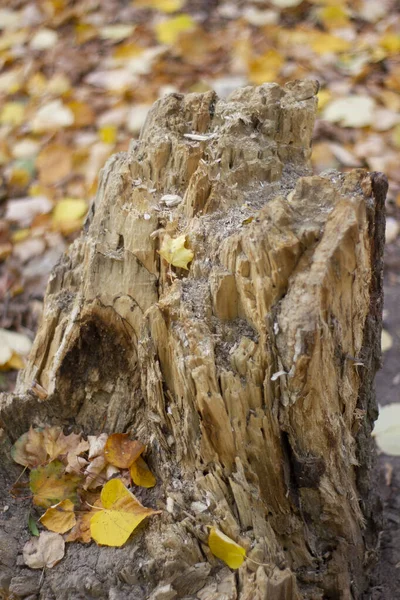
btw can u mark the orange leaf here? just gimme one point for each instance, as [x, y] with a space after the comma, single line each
[121, 452]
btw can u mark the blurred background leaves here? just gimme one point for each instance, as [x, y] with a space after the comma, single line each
[78, 77]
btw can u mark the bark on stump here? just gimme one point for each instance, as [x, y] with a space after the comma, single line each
[249, 376]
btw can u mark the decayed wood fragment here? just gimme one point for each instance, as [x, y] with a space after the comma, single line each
[249, 376]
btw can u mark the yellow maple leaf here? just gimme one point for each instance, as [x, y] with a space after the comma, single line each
[174, 252]
[120, 516]
[168, 31]
[60, 517]
[141, 474]
[226, 549]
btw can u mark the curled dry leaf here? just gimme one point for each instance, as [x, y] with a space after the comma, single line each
[29, 449]
[60, 517]
[44, 551]
[81, 530]
[121, 452]
[95, 473]
[226, 549]
[41, 445]
[120, 516]
[97, 444]
[141, 474]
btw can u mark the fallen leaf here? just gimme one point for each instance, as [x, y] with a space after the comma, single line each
[265, 68]
[75, 462]
[97, 444]
[137, 117]
[29, 248]
[29, 450]
[57, 444]
[24, 210]
[68, 215]
[33, 528]
[120, 516]
[44, 551]
[121, 452]
[9, 19]
[387, 429]
[334, 16]
[50, 484]
[386, 341]
[116, 32]
[84, 32]
[116, 80]
[12, 113]
[95, 474]
[81, 530]
[54, 163]
[141, 474]
[44, 39]
[174, 252]
[108, 134]
[13, 344]
[286, 3]
[25, 148]
[169, 30]
[326, 43]
[392, 230]
[167, 6]
[83, 113]
[53, 115]
[60, 517]
[226, 549]
[352, 111]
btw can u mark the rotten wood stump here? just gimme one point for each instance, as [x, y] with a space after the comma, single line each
[249, 376]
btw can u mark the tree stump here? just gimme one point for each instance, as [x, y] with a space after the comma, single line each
[249, 376]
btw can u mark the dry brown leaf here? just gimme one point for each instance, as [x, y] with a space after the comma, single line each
[44, 551]
[54, 163]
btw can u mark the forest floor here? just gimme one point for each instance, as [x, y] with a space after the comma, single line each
[76, 82]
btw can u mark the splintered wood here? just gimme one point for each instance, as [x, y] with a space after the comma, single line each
[250, 375]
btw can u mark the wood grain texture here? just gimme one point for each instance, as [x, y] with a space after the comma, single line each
[249, 376]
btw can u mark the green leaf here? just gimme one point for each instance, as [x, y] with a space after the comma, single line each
[33, 528]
